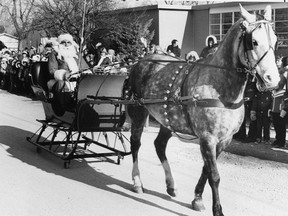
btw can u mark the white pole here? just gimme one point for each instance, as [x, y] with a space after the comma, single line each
[82, 33]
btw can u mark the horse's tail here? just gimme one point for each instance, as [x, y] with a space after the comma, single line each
[127, 89]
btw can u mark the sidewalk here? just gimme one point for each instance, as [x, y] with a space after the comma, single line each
[260, 151]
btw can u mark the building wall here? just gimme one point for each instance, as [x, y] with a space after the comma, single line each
[200, 22]
[187, 42]
[10, 41]
[189, 27]
[172, 25]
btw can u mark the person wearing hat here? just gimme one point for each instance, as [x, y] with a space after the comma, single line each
[192, 56]
[64, 63]
[211, 46]
[280, 104]
[173, 49]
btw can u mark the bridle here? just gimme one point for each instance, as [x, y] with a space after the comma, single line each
[249, 45]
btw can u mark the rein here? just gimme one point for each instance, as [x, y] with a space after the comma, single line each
[239, 70]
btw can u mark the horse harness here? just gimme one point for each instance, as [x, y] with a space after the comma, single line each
[183, 72]
[249, 45]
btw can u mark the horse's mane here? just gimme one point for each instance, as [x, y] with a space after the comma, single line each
[234, 28]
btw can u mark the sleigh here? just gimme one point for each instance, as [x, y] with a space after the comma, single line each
[93, 128]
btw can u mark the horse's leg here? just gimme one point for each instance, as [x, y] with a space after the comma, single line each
[160, 145]
[197, 203]
[138, 115]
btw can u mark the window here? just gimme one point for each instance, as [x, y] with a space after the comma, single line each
[215, 27]
[227, 22]
[281, 26]
[221, 22]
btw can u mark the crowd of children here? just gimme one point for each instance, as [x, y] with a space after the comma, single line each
[264, 109]
[15, 67]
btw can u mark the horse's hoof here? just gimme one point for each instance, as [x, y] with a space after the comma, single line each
[197, 205]
[217, 211]
[172, 192]
[138, 189]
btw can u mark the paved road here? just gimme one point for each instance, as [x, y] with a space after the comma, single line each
[253, 177]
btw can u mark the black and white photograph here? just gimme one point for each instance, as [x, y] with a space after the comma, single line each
[143, 108]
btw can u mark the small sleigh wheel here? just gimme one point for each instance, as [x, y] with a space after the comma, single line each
[67, 164]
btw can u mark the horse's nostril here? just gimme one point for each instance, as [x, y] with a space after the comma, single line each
[268, 78]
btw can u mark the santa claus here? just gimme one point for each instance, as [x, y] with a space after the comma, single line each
[64, 63]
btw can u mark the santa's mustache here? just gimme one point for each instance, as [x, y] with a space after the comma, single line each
[67, 52]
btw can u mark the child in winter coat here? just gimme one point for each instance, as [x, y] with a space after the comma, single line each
[260, 112]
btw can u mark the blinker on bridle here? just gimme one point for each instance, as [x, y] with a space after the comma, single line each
[249, 44]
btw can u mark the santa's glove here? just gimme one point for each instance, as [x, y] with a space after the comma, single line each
[253, 115]
[282, 113]
[61, 74]
[269, 113]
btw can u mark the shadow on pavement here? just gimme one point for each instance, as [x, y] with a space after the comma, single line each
[19, 148]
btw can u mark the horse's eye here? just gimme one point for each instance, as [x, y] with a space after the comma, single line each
[255, 43]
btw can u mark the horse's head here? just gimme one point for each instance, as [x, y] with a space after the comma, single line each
[259, 42]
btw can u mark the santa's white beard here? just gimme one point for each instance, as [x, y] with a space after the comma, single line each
[68, 54]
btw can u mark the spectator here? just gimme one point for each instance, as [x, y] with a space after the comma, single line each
[97, 52]
[173, 49]
[211, 46]
[192, 56]
[151, 49]
[24, 57]
[261, 108]
[4, 76]
[32, 51]
[158, 50]
[35, 58]
[104, 58]
[90, 59]
[47, 50]
[279, 117]
[111, 55]
[249, 95]
[24, 74]
[40, 49]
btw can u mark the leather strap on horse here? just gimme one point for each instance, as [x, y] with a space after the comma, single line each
[184, 100]
[211, 103]
[239, 70]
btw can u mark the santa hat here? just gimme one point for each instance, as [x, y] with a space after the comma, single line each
[65, 37]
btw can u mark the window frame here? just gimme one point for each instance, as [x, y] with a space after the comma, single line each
[282, 43]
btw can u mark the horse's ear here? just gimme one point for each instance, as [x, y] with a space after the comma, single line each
[268, 13]
[246, 15]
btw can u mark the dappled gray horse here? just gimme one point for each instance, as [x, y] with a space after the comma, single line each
[203, 98]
